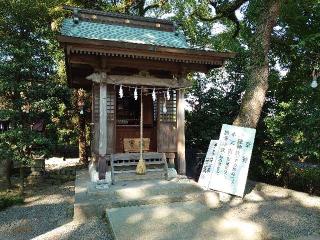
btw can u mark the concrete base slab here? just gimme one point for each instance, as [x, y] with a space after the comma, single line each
[90, 201]
[188, 221]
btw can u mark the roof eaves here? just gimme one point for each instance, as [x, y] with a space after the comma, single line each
[154, 52]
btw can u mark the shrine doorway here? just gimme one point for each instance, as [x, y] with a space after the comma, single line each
[128, 121]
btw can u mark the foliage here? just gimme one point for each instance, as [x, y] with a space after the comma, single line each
[29, 86]
[23, 145]
[291, 123]
[214, 100]
[304, 180]
[9, 198]
[285, 173]
[294, 126]
[33, 81]
[289, 127]
[138, 8]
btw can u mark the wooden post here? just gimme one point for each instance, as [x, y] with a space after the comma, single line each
[141, 124]
[81, 97]
[102, 164]
[141, 167]
[181, 155]
[83, 156]
[171, 157]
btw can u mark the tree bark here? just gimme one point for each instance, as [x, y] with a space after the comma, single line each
[8, 167]
[257, 87]
[21, 189]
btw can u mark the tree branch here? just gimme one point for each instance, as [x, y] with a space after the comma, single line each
[235, 20]
[152, 6]
[206, 19]
[156, 5]
[226, 10]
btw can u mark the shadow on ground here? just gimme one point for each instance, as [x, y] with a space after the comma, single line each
[266, 212]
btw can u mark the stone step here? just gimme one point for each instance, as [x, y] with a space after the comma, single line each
[144, 192]
[91, 201]
[132, 176]
[180, 220]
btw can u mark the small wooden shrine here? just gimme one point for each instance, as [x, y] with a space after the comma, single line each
[123, 60]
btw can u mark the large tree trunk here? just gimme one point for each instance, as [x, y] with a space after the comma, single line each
[21, 188]
[8, 170]
[257, 87]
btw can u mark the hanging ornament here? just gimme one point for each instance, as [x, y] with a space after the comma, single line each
[121, 92]
[168, 95]
[154, 96]
[314, 83]
[135, 94]
[315, 75]
[75, 16]
[164, 107]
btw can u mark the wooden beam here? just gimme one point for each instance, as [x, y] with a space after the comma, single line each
[137, 80]
[83, 59]
[144, 81]
[140, 64]
[131, 53]
[181, 152]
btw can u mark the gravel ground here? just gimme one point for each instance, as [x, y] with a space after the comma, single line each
[283, 213]
[55, 163]
[47, 214]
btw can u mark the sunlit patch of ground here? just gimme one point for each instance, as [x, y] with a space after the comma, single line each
[47, 212]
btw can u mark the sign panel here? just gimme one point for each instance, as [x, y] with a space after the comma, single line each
[232, 159]
[207, 167]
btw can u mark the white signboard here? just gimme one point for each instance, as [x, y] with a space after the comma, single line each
[207, 167]
[232, 159]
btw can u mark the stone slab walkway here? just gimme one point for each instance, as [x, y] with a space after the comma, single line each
[193, 220]
[266, 212]
[180, 209]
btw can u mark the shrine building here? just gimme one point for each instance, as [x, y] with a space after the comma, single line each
[126, 61]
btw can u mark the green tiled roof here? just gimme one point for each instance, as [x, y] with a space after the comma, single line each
[120, 33]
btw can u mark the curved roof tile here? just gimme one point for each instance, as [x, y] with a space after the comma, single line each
[120, 33]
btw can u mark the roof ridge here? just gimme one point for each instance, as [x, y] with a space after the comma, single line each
[119, 15]
[178, 34]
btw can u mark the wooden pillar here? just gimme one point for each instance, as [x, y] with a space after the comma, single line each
[82, 141]
[181, 152]
[102, 164]
[171, 157]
